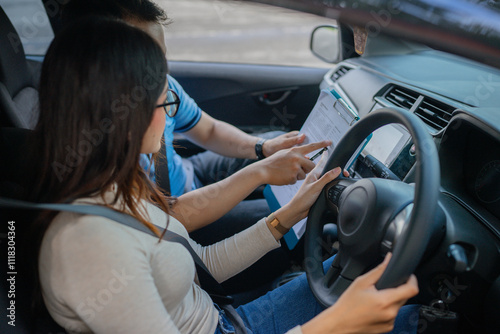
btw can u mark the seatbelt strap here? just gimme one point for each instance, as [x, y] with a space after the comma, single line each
[207, 281]
[161, 170]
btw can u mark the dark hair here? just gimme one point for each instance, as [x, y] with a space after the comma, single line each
[140, 10]
[100, 83]
[99, 86]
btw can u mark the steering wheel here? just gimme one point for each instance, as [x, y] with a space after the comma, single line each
[373, 215]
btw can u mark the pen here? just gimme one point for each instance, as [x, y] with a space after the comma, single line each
[319, 153]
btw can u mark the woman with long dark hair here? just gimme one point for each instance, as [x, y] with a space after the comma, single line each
[103, 101]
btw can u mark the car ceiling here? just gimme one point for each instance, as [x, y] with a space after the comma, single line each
[467, 28]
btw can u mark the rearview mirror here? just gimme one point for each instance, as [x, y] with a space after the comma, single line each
[325, 43]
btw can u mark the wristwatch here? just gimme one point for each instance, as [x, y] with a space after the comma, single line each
[275, 223]
[258, 149]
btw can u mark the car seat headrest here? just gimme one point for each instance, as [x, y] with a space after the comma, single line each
[14, 73]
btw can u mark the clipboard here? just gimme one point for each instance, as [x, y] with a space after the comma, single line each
[330, 119]
[340, 103]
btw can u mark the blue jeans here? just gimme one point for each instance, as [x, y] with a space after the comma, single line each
[293, 304]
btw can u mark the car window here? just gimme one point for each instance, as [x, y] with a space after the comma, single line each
[32, 24]
[239, 32]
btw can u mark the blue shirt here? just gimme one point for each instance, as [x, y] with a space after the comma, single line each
[186, 118]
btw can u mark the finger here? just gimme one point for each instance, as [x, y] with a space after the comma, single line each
[301, 175]
[328, 177]
[316, 172]
[373, 275]
[346, 173]
[301, 138]
[291, 134]
[322, 161]
[403, 292]
[292, 141]
[383, 327]
[313, 146]
[306, 164]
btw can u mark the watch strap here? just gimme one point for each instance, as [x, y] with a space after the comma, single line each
[258, 148]
[275, 223]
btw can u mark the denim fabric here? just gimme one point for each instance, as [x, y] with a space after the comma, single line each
[224, 325]
[294, 304]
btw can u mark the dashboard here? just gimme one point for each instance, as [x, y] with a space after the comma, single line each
[482, 171]
[459, 102]
[470, 156]
[469, 146]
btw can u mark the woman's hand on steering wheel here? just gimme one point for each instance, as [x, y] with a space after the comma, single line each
[298, 208]
[362, 308]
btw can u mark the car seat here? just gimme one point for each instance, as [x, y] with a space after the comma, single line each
[18, 80]
[15, 181]
[18, 113]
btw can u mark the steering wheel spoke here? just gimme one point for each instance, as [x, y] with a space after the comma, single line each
[346, 267]
[337, 279]
[333, 191]
[333, 272]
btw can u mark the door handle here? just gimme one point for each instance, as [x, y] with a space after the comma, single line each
[273, 98]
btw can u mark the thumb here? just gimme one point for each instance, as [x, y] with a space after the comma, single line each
[322, 162]
[316, 172]
[371, 277]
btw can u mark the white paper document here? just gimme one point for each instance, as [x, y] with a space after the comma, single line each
[329, 120]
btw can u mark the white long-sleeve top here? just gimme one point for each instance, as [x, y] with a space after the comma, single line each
[100, 276]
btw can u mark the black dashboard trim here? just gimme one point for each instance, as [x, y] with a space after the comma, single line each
[473, 212]
[479, 122]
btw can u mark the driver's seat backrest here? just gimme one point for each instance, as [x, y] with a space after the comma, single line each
[18, 85]
[16, 180]
[16, 162]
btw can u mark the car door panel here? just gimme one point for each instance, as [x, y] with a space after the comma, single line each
[251, 97]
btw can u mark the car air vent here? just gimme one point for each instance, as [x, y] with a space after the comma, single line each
[402, 97]
[434, 113]
[341, 70]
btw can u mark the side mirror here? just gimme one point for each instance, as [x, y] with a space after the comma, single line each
[325, 43]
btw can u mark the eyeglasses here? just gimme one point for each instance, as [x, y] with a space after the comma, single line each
[171, 104]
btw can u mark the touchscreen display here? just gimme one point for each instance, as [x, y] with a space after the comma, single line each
[387, 142]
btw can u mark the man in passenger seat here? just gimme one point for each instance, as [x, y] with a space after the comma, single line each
[98, 276]
[206, 185]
